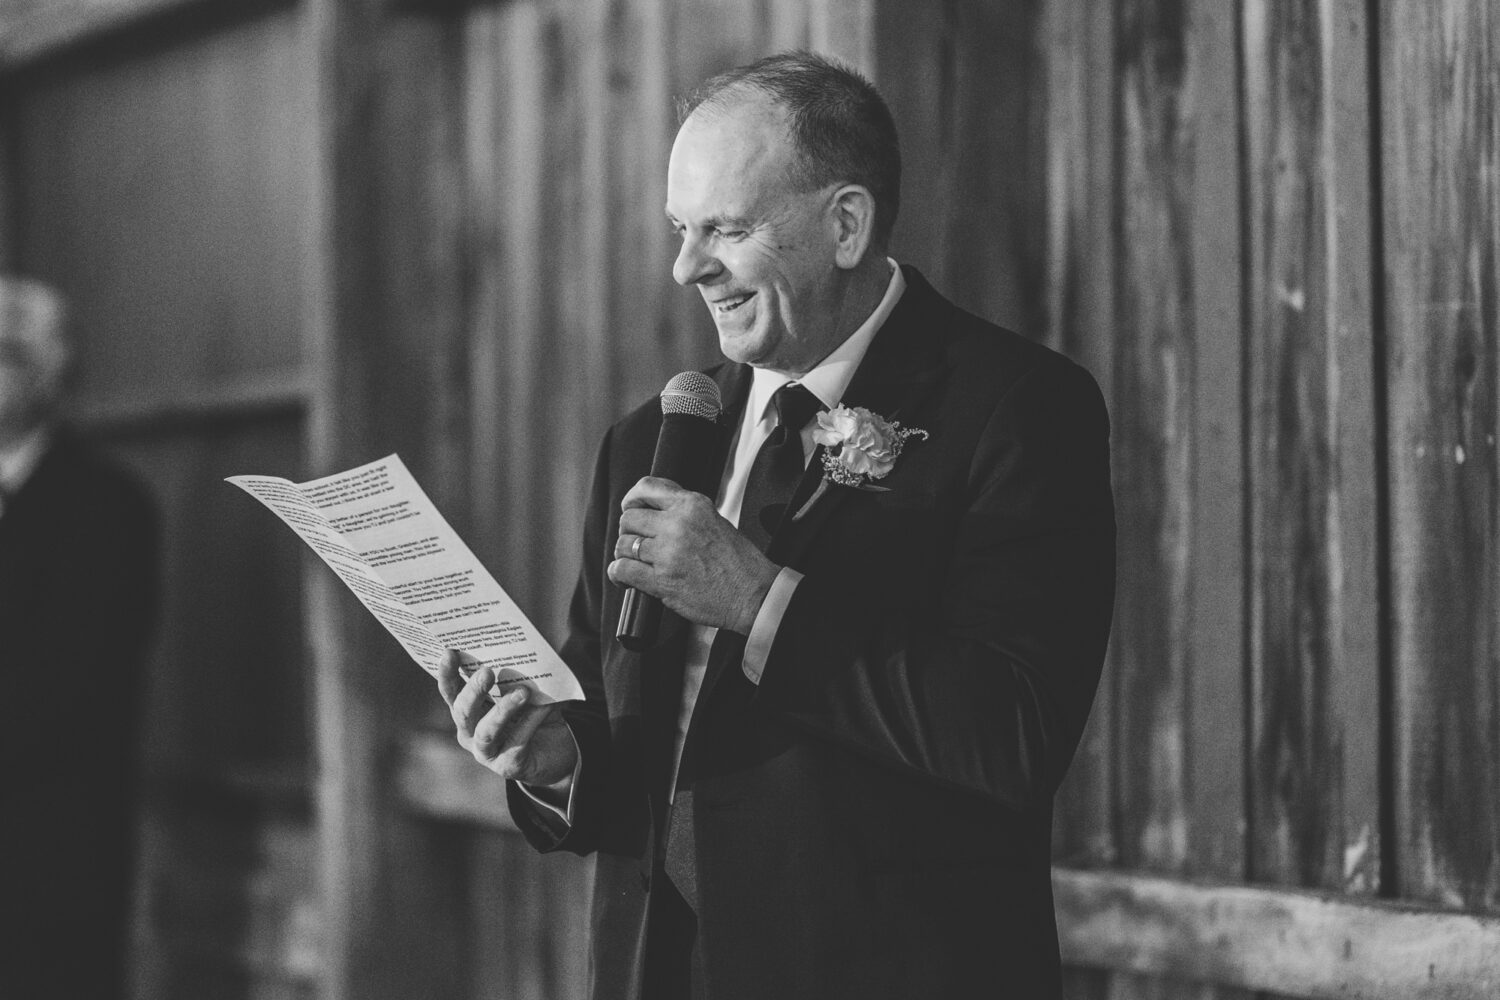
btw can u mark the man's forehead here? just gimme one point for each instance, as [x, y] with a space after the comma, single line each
[732, 153]
[746, 118]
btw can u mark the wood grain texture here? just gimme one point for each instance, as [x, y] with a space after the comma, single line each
[1177, 448]
[958, 77]
[1078, 45]
[1315, 668]
[1153, 383]
[1216, 687]
[1297, 944]
[1179, 613]
[1441, 158]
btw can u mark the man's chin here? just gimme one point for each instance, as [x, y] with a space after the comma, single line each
[740, 348]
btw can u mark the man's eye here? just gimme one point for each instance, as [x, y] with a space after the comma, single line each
[730, 234]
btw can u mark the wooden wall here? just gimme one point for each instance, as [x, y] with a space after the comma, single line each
[303, 235]
[1297, 232]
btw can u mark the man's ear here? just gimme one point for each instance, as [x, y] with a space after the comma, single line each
[854, 217]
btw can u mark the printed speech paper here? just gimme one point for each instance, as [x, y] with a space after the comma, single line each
[377, 529]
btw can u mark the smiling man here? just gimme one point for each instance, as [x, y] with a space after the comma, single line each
[833, 776]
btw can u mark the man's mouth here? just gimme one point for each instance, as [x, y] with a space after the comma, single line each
[725, 306]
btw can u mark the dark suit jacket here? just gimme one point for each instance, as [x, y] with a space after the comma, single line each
[873, 819]
[78, 586]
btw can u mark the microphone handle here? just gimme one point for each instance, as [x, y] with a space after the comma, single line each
[687, 450]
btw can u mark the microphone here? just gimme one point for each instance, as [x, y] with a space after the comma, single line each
[689, 442]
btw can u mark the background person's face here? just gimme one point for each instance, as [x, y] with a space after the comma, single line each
[761, 252]
[27, 375]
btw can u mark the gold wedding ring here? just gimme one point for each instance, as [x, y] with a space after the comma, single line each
[635, 546]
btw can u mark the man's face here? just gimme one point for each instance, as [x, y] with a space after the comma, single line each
[761, 252]
[31, 357]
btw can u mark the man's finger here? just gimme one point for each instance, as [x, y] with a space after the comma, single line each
[645, 521]
[493, 733]
[632, 573]
[631, 547]
[529, 721]
[471, 703]
[450, 681]
[653, 492]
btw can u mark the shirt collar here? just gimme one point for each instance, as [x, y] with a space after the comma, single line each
[20, 459]
[831, 377]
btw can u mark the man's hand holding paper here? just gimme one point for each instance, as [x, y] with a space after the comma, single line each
[511, 736]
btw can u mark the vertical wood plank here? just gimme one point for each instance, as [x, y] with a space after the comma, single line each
[1315, 667]
[1179, 413]
[506, 89]
[340, 38]
[1357, 675]
[1440, 75]
[963, 82]
[1153, 380]
[1216, 686]
[375, 232]
[1078, 44]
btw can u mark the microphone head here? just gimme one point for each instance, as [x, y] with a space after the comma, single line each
[693, 393]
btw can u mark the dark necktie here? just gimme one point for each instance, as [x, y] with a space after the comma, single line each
[778, 466]
[772, 480]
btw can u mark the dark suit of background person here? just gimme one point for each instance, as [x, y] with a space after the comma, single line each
[871, 819]
[78, 596]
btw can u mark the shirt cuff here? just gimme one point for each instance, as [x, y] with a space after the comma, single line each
[767, 621]
[549, 796]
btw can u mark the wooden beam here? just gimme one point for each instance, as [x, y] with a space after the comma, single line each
[1292, 943]
[50, 28]
[250, 396]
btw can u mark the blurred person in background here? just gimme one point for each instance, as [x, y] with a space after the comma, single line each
[78, 600]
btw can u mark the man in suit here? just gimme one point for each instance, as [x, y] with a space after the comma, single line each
[833, 775]
[78, 584]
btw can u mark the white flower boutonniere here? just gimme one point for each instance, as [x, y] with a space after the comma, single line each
[858, 447]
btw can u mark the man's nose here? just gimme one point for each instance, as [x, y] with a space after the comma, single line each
[694, 262]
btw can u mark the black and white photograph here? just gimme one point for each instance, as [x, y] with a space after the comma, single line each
[749, 500]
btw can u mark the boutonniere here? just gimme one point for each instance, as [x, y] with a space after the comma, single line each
[858, 447]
